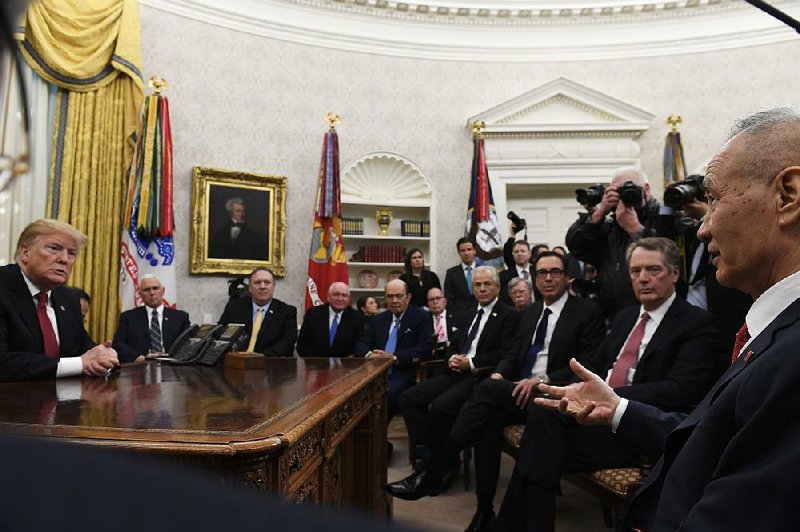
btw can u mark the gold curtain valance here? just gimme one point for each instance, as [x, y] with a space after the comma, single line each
[82, 45]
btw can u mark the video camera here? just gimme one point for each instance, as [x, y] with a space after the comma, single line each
[516, 220]
[680, 194]
[590, 196]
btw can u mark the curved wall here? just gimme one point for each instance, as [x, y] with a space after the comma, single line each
[252, 103]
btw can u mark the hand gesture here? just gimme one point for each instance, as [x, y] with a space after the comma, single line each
[99, 359]
[628, 219]
[591, 402]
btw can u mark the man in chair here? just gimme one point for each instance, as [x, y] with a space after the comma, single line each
[271, 323]
[148, 330]
[332, 329]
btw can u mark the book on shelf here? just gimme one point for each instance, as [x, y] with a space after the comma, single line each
[353, 226]
[415, 228]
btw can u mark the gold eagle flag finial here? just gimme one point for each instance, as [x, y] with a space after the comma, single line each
[332, 119]
[477, 128]
[673, 121]
[157, 83]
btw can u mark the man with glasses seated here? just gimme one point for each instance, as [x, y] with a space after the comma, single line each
[661, 352]
[551, 331]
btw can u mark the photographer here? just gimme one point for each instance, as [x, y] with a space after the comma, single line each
[626, 212]
[684, 209]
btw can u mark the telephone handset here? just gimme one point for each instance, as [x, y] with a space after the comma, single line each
[192, 342]
[233, 338]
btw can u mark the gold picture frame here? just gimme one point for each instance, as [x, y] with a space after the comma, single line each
[238, 222]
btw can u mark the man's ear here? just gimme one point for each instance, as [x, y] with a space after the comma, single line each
[787, 184]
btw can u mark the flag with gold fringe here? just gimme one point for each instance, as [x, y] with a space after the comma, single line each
[147, 245]
[327, 262]
[481, 220]
[675, 172]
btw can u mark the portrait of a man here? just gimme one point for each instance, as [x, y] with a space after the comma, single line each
[238, 223]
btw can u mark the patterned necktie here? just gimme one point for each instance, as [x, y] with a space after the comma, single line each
[334, 327]
[468, 269]
[536, 346]
[630, 353]
[473, 331]
[525, 274]
[48, 334]
[440, 334]
[155, 334]
[391, 342]
[256, 329]
[742, 337]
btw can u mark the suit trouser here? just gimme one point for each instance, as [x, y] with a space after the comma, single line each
[399, 381]
[554, 444]
[431, 406]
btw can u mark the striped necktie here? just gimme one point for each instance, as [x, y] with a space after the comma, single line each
[155, 334]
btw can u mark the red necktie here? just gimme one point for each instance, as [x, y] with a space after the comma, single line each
[440, 334]
[742, 338]
[629, 355]
[48, 334]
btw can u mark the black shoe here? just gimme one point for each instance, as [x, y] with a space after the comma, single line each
[481, 521]
[414, 486]
[447, 479]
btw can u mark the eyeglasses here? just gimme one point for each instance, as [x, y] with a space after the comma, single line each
[653, 271]
[14, 154]
[434, 299]
[554, 273]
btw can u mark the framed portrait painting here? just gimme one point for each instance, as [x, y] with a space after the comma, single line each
[238, 222]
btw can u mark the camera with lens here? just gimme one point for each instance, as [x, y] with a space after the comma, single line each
[680, 194]
[587, 288]
[590, 196]
[238, 287]
[516, 220]
[631, 194]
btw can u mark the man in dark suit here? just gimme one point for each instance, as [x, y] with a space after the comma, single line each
[458, 279]
[332, 329]
[148, 330]
[445, 327]
[521, 251]
[404, 334]
[235, 240]
[729, 464]
[520, 292]
[482, 337]
[271, 323]
[41, 326]
[551, 331]
[662, 352]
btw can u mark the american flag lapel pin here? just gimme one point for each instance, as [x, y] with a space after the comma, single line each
[62, 308]
[748, 356]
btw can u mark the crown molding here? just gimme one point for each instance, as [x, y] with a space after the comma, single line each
[497, 31]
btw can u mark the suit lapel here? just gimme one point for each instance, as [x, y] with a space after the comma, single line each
[27, 308]
[65, 331]
[665, 329]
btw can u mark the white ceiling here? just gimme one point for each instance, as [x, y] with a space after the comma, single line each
[499, 30]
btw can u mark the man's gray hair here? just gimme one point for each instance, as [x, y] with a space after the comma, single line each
[149, 276]
[640, 179]
[492, 271]
[234, 201]
[519, 280]
[765, 120]
[670, 254]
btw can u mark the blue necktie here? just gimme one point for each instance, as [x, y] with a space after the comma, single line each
[334, 327]
[536, 346]
[391, 343]
[473, 331]
[469, 278]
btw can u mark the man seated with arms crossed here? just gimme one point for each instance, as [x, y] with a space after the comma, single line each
[404, 334]
[483, 336]
[149, 330]
[332, 329]
[41, 326]
[551, 331]
[271, 323]
[662, 352]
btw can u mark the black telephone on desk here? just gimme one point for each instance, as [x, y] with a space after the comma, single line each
[206, 344]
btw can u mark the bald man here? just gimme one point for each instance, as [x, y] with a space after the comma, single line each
[332, 329]
[602, 235]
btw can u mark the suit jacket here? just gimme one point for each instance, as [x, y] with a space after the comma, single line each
[249, 244]
[133, 334]
[419, 290]
[729, 465]
[579, 330]
[458, 294]
[414, 338]
[278, 330]
[496, 338]
[677, 368]
[315, 332]
[21, 343]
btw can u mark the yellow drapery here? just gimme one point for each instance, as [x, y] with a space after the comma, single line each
[91, 50]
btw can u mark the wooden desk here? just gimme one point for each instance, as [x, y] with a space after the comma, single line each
[310, 429]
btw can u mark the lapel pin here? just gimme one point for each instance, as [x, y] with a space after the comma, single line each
[748, 356]
[407, 331]
[494, 314]
[62, 308]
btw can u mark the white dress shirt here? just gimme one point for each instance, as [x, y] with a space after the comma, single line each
[540, 366]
